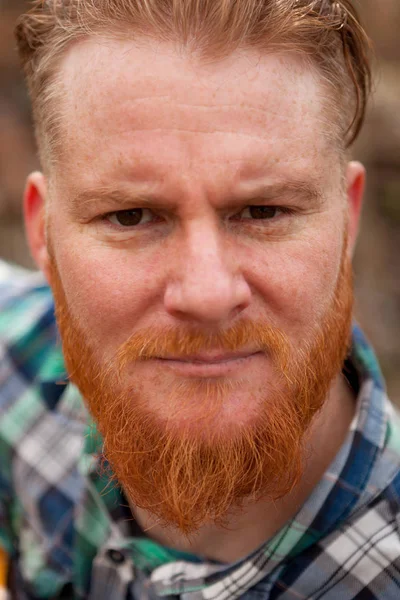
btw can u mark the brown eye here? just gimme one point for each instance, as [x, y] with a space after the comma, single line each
[260, 212]
[130, 218]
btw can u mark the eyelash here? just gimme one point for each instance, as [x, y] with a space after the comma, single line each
[282, 209]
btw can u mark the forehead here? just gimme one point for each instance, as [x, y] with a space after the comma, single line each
[144, 109]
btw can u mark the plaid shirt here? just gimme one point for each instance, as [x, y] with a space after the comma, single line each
[68, 533]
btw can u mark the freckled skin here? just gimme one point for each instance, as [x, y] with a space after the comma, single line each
[191, 133]
[146, 118]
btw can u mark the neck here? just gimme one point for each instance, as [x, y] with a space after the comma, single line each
[257, 522]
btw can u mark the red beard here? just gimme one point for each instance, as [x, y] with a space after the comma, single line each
[189, 476]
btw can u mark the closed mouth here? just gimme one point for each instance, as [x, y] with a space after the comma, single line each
[209, 358]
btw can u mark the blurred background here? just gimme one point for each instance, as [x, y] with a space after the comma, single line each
[377, 265]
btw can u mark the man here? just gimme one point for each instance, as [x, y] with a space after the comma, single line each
[211, 425]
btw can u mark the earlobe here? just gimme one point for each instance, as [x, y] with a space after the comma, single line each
[35, 196]
[355, 181]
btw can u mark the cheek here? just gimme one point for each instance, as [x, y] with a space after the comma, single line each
[296, 281]
[109, 291]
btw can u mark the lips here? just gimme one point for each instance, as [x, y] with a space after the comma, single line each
[210, 357]
[211, 364]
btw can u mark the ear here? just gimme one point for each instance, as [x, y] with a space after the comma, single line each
[35, 196]
[355, 182]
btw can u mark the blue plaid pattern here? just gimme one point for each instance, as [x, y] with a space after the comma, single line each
[66, 530]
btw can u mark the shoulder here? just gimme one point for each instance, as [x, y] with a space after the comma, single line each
[24, 301]
[16, 282]
[370, 540]
[28, 341]
[27, 323]
[366, 549]
[361, 555]
[42, 421]
[25, 298]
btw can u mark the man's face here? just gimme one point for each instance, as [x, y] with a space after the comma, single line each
[193, 201]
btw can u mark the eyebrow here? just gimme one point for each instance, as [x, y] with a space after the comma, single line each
[112, 197]
[305, 192]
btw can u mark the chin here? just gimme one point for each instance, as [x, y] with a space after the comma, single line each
[205, 408]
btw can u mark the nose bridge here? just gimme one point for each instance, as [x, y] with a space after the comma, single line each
[203, 241]
[207, 284]
[205, 263]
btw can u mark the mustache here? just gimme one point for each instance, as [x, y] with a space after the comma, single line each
[253, 336]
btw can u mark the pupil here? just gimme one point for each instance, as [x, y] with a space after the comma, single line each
[129, 217]
[262, 212]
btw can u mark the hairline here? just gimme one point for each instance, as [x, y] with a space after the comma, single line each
[51, 151]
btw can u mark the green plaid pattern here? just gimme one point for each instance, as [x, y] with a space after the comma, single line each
[69, 532]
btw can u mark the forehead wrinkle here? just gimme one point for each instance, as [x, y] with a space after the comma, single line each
[109, 116]
[122, 113]
[179, 70]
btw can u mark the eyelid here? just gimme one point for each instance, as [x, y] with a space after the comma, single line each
[280, 209]
[106, 217]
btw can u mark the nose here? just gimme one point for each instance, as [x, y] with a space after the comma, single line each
[206, 284]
